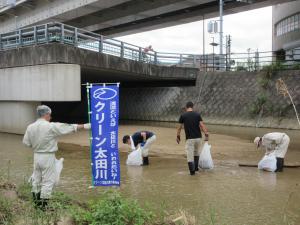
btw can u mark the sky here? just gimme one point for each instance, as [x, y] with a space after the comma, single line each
[251, 29]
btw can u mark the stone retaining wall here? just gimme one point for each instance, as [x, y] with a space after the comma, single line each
[227, 98]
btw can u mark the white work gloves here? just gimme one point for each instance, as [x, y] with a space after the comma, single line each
[87, 126]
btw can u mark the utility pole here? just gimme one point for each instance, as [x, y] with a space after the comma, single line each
[228, 52]
[203, 42]
[221, 28]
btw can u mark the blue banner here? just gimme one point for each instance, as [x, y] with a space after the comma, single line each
[104, 121]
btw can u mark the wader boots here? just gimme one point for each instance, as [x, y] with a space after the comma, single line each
[279, 164]
[191, 168]
[37, 199]
[44, 204]
[196, 162]
[145, 161]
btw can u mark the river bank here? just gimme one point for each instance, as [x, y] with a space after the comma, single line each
[18, 208]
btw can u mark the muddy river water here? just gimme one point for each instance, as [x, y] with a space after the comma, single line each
[231, 194]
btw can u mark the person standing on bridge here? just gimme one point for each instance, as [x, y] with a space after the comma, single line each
[146, 50]
[274, 142]
[193, 124]
[42, 136]
[145, 139]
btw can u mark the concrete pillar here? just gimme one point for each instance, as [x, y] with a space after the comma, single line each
[50, 82]
[16, 116]
[23, 88]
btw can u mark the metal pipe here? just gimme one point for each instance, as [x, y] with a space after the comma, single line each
[122, 50]
[221, 27]
[203, 31]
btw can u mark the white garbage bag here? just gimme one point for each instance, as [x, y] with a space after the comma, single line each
[205, 160]
[135, 158]
[59, 166]
[268, 163]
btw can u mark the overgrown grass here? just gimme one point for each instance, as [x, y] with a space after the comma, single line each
[258, 104]
[57, 208]
[113, 209]
[24, 191]
[6, 212]
[110, 208]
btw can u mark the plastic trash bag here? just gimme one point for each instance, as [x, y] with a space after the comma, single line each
[205, 160]
[268, 163]
[135, 158]
[59, 166]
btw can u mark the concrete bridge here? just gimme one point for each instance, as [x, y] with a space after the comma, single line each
[48, 63]
[118, 17]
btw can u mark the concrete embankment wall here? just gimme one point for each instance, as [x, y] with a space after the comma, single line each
[230, 98]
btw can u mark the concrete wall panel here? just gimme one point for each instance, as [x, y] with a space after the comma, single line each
[52, 82]
[16, 116]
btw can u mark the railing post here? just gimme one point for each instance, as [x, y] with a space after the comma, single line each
[34, 35]
[122, 50]
[101, 44]
[256, 65]
[76, 37]
[46, 33]
[180, 59]
[155, 58]
[0, 42]
[20, 36]
[140, 54]
[194, 60]
[62, 39]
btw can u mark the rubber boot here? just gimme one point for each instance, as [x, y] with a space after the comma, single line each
[191, 168]
[196, 162]
[279, 164]
[44, 204]
[37, 199]
[145, 161]
[34, 198]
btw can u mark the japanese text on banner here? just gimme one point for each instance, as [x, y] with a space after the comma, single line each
[104, 121]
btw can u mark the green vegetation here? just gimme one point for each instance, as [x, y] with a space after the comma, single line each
[110, 208]
[258, 104]
[296, 66]
[24, 192]
[6, 212]
[262, 104]
[113, 209]
[241, 68]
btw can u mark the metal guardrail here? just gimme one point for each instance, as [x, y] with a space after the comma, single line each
[58, 32]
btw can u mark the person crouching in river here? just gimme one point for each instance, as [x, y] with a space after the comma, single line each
[42, 136]
[275, 142]
[145, 139]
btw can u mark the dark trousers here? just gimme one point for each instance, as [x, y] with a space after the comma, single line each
[280, 164]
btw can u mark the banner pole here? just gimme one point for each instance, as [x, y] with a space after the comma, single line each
[90, 131]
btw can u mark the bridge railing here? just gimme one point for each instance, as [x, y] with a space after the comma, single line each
[66, 34]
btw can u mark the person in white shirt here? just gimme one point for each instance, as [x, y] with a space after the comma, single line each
[41, 136]
[275, 142]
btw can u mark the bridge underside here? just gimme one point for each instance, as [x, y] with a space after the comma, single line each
[120, 17]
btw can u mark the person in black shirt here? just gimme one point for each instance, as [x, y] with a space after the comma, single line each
[193, 124]
[145, 139]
